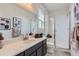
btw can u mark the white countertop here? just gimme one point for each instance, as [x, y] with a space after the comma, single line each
[15, 47]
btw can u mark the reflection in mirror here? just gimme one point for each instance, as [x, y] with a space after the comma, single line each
[33, 26]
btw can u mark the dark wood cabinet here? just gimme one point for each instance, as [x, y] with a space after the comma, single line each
[40, 49]
[33, 54]
[21, 54]
[44, 47]
[30, 51]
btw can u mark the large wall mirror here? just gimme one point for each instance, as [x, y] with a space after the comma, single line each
[33, 25]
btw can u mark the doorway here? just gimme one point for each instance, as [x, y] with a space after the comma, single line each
[62, 31]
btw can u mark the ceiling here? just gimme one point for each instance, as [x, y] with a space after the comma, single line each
[27, 6]
[51, 7]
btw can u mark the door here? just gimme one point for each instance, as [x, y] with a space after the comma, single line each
[39, 51]
[62, 31]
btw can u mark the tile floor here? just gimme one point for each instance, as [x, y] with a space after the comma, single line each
[57, 52]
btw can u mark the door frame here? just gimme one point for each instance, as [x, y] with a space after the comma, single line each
[69, 31]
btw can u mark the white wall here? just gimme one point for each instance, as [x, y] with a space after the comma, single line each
[13, 10]
[72, 16]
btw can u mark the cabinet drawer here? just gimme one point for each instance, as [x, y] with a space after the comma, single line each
[38, 45]
[33, 54]
[32, 49]
[29, 51]
[20, 54]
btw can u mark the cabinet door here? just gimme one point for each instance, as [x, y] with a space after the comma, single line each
[33, 54]
[30, 50]
[44, 49]
[44, 46]
[39, 51]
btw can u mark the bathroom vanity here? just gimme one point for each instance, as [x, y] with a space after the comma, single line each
[30, 47]
[39, 49]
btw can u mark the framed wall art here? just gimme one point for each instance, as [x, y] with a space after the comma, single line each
[16, 27]
[5, 23]
[76, 11]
